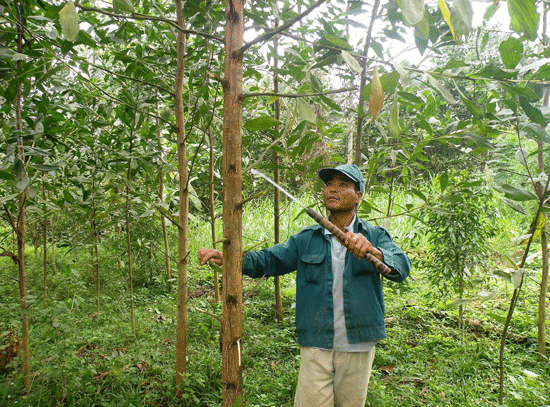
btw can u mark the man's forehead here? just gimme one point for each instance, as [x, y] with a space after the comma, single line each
[341, 177]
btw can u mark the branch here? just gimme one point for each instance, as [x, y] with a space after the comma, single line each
[9, 254]
[167, 216]
[282, 28]
[130, 78]
[297, 95]
[207, 313]
[251, 198]
[137, 16]
[10, 218]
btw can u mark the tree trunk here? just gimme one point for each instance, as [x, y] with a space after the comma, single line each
[277, 197]
[45, 246]
[213, 212]
[541, 324]
[161, 200]
[52, 234]
[181, 329]
[361, 106]
[129, 247]
[20, 231]
[129, 252]
[232, 317]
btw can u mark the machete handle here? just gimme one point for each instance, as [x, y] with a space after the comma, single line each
[332, 228]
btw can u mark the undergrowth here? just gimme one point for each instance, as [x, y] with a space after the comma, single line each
[83, 358]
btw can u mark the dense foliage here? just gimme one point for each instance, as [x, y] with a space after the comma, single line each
[88, 166]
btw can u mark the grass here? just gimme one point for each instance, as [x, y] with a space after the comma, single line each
[80, 358]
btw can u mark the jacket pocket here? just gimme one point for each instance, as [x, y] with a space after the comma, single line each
[313, 268]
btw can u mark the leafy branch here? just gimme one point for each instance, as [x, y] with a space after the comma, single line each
[271, 34]
[144, 17]
[297, 95]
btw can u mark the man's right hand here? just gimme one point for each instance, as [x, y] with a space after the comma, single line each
[213, 255]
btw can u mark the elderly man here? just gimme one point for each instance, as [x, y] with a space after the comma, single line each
[339, 298]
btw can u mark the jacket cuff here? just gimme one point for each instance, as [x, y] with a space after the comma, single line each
[391, 261]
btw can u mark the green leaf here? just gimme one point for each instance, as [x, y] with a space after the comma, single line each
[542, 73]
[47, 167]
[524, 18]
[410, 97]
[454, 64]
[515, 206]
[494, 72]
[18, 168]
[511, 52]
[523, 92]
[457, 303]
[419, 194]
[515, 193]
[461, 18]
[532, 112]
[453, 198]
[336, 42]
[24, 183]
[412, 10]
[517, 278]
[351, 62]
[441, 89]
[123, 6]
[261, 123]
[443, 211]
[68, 19]
[443, 181]
[422, 28]
[306, 111]
[472, 107]
[394, 129]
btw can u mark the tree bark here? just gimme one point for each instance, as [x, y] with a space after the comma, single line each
[232, 210]
[277, 194]
[541, 323]
[45, 245]
[128, 245]
[20, 232]
[181, 329]
[52, 235]
[161, 200]
[361, 106]
[213, 212]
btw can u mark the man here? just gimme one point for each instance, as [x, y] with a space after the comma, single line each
[339, 299]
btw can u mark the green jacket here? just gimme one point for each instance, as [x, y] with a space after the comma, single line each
[309, 253]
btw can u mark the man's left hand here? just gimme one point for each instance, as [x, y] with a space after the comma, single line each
[359, 246]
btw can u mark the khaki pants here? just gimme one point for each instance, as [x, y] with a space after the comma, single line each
[333, 379]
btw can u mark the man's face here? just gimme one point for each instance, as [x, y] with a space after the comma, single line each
[339, 194]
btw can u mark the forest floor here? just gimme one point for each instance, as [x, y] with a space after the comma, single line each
[83, 358]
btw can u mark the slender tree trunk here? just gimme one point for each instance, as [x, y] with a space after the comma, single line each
[128, 241]
[20, 232]
[232, 318]
[161, 200]
[52, 235]
[45, 251]
[277, 194]
[129, 252]
[213, 211]
[94, 252]
[541, 327]
[541, 324]
[361, 107]
[181, 329]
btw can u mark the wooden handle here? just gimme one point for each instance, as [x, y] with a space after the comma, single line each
[332, 228]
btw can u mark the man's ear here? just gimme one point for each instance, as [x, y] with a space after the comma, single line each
[359, 196]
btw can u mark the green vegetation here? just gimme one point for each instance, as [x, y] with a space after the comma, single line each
[81, 358]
